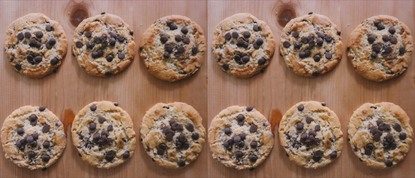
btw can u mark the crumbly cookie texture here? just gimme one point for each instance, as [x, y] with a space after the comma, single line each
[240, 137]
[172, 134]
[33, 137]
[380, 48]
[173, 48]
[311, 135]
[380, 134]
[311, 45]
[243, 45]
[35, 45]
[103, 45]
[103, 134]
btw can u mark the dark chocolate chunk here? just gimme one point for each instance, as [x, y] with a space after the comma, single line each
[368, 151]
[286, 44]
[388, 49]
[178, 38]
[160, 151]
[370, 146]
[320, 41]
[376, 47]
[110, 155]
[397, 127]
[245, 59]
[186, 40]
[300, 107]
[317, 155]
[380, 26]
[393, 40]
[168, 47]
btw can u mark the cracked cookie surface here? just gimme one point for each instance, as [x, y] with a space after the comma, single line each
[380, 134]
[103, 45]
[311, 135]
[311, 45]
[240, 137]
[172, 48]
[35, 45]
[243, 45]
[33, 137]
[103, 134]
[380, 48]
[172, 134]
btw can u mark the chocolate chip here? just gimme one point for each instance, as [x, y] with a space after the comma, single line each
[168, 47]
[304, 40]
[307, 53]
[42, 108]
[252, 158]
[160, 151]
[32, 118]
[225, 66]
[173, 26]
[328, 55]
[296, 34]
[194, 50]
[110, 57]
[120, 38]
[339, 32]
[317, 128]
[92, 126]
[320, 41]
[52, 41]
[262, 61]
[333, 154]
[190, 127]
[256, 46]
[240, 117]
[176, 126]
[104, 44]
[46, 144]
[317, 156]
[308, 119]
[48, 28]
[181, 163]
[228, 131]
[388, 49]
[256, 28]
[237, 139]
[110, 155]
[235, 34]
[18, 66]
[38, 59]
[88, 34]
[126, 155]
[166, 54]
[121, 55]
[300, 107]
[297, 45]
[31, 154]
[178, 38]
[317, 57]
[401, 50]
[249, 108]
[241, 43]
[45, 158]
[20, 36]
[389, 163]
[402, 136]
[300, 126]
[27, 34]
[246, 34]
[393, 40]
[373, 54]
[254, 144]
[397, 127]
[186, 40]
[39, 34]
[110, 128]
[328, 38]
[29, 139]
[104, 132]
[103, 38]
[245, 59]
[311, 44]
[392, 30]
[35, 136]
[93, 107]
[380, 26]
[376, 47]
[79, 44]
[384, 127]
[323, 104]
[195, 136]
[112, 41]
[286, 44]
[385, 38]
[259, 41]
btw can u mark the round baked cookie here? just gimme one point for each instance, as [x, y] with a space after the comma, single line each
[311, 45]
[243, 45]
[380, 134]
[380, 48]
[33, 137]
[103, 45]
[172, 134]
[173, 48]
[103, 134]
[311, 135]
[35, 45]
[240, 137]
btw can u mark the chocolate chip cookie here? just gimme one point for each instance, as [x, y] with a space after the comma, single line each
[311, 135]
[172, 134]
[243, 45]
[103, 45]
[35, 45]
[240, 137]
[33, 137]
[311, 45]
[380, 48]
[380, 134]
[103, 134]
[173, 47]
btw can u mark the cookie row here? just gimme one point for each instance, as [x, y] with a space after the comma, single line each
[173, 47]
[239, 137]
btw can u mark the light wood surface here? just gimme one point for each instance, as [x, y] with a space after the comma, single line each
[210, 90]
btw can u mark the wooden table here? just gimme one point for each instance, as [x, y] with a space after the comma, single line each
[210, 90]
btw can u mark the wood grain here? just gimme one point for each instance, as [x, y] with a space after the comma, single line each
[276, 90]
[210, 90]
